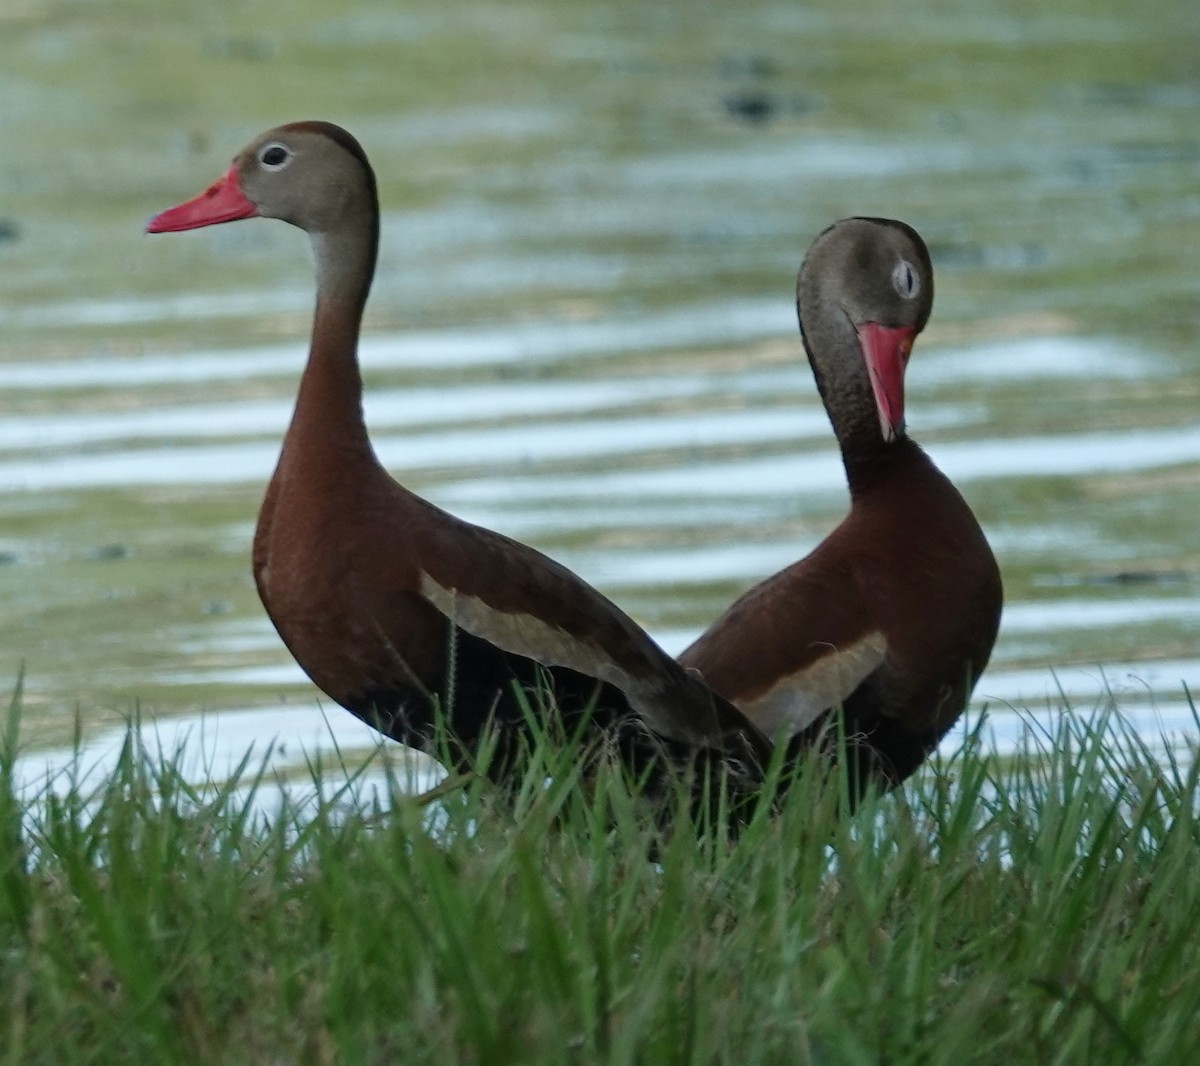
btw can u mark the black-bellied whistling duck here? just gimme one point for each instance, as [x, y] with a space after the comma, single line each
[389, 604]
[893, 616]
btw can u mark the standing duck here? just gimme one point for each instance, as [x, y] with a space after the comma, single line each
[892, 618]
[397, 610]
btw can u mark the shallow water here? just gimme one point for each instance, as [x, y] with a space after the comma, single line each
[582, 332]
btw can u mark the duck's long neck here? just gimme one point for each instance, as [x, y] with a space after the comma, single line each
[328, 418]
[865, 454]
[845, 388]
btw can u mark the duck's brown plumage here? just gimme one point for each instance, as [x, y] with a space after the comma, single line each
[893, 616]
[390, 604]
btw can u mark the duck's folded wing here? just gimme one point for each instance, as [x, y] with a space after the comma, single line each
[790, 649]
[521, 601]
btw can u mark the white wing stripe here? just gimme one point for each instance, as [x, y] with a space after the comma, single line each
[795, 701]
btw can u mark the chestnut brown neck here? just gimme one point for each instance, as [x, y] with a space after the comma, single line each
[328, 418]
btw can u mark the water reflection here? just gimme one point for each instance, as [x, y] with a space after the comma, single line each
[725, 322]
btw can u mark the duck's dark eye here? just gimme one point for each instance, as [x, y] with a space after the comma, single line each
[274, 156]
[906, 279]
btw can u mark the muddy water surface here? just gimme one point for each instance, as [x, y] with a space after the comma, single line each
[582, 332]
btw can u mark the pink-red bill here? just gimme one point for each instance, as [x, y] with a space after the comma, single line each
[885, 350]
[222, 201]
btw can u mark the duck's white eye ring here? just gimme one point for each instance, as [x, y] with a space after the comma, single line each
[906, 279]
[274, 156]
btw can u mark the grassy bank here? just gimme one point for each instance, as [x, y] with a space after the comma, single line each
[1037, 908]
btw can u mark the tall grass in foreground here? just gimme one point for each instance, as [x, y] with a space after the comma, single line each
[1041, 908]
